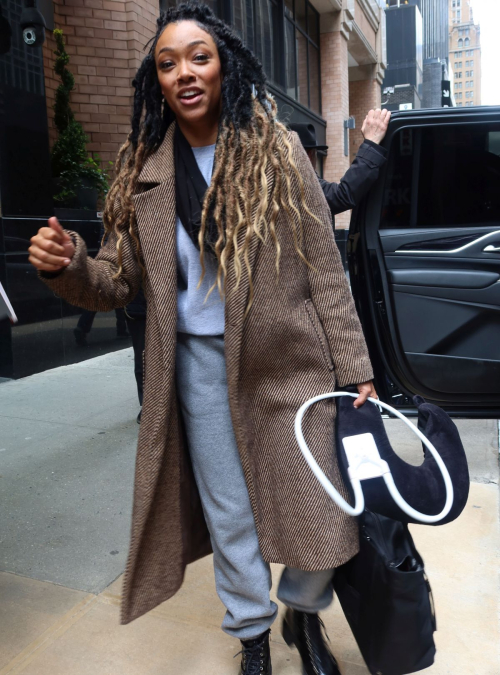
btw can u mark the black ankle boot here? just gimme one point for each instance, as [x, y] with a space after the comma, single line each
[256, 656]
[305, 631]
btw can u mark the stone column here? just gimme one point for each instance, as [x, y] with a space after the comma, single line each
[363, 96]
[335, 97]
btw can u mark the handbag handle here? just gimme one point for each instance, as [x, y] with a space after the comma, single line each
[384, 470]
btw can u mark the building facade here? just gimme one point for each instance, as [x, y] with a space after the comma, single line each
[431, 55]
[465, 53]
[404, 77]
[435, 28]
[325, 60]
[435, 51]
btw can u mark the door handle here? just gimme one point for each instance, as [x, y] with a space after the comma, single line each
[491, 248]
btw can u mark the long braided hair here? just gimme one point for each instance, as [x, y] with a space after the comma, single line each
[250, 138]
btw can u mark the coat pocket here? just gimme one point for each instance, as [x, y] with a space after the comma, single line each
[320, 333]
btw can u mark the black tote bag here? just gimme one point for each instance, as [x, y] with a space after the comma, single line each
[387, 599]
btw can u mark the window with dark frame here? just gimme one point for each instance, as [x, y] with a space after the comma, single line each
[295, 68]
[429, 166]
[302, 61]
[256, 22]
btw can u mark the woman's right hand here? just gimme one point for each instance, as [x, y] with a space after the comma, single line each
[51, 248]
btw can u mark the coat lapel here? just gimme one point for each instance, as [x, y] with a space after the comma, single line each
[155, 213]
[159, 166]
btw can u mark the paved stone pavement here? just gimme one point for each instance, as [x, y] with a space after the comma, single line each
[67, 445]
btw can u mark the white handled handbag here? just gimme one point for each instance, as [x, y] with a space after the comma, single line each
[434, 493]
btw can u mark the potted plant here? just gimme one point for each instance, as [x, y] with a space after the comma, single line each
[79, 180]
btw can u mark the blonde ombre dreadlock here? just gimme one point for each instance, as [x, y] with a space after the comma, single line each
[250, 140]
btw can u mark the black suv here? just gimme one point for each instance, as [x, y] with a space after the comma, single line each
[424, 261]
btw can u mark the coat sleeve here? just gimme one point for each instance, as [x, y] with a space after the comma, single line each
[357, 180]
[88, 283]
[329, 289]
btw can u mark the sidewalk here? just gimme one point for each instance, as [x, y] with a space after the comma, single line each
[67, 446]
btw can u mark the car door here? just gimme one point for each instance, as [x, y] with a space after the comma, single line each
[424, 261]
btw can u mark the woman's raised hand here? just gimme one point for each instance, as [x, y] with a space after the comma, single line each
[365, 390]
[51, 248]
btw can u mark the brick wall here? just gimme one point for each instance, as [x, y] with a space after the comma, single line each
[104, 39]
[335, 106]
[363, 96]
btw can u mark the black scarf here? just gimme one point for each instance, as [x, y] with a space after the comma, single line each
[190, 189]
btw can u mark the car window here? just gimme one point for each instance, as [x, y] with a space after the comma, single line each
[443, 176]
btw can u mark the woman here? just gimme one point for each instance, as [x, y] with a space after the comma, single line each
[280, 322]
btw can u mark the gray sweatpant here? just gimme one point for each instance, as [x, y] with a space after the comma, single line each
[242, 577]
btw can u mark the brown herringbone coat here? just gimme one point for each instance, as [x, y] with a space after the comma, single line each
[302, 337]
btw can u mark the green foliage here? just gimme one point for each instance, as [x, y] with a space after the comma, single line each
[71, 163]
